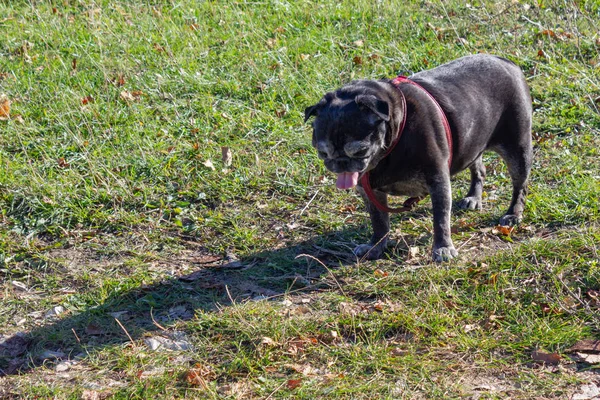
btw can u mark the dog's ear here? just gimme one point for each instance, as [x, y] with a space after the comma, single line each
[314, 110]
[379, 107]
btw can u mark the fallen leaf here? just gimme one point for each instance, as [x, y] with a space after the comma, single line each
[547, 32]
[4, 108]
[545, 358]
[357, 60]
[74, 64]
[280, 113]
[94, 395]
[359, 43]
[62, 163]
[294, 383]
[503, 230]
[267, 341]
[304, 57]
[199, 376]
[586, 345]
[158, 47]
[209, 164]
[587, 358]
[128, 96]
[194, 27]
[87, 99]
[94, 330]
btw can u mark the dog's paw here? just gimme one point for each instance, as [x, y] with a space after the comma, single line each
[368, 252]
[470, 203]
[510, 220]
[442, 254]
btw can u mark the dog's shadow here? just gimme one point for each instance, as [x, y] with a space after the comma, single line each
[139, 313]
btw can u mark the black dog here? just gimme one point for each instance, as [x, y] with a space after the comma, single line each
[487, 106]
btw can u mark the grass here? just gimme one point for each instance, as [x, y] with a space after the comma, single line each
[118, 205]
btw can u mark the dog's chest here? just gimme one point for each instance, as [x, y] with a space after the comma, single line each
[413, 188]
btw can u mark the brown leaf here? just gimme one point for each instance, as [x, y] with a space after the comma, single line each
[94, 395]
[74, 64]
[541, 54]
[380, 273]
[194, 27]
[503, 230]
[158, 48]
[547, 32]
[87, 99]
[226, 156]
[280, 113]
[586, 346]
[62, 163]
[4, 108]
[545, 358]
[128, 96]
[294, 383]
[357, 60]
[199, 376]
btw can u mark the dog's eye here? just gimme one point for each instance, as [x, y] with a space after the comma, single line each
[322, 154]
[360, 154]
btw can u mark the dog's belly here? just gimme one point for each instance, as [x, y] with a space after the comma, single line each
[413, 188]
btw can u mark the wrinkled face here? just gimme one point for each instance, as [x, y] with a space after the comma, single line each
[348, 136]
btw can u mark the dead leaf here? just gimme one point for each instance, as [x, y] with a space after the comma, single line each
[271, 43]
[267, 341]
[547, 32]
[94, 330]
[87, 99]
[199, 376]
[209, 164]
[128, 96]
[94, 395]
[503, 230]
[359, 43]
[380, 273]
[194, 27]
[62, 163]
[280, 113]
[586, 346]
[4, 108]
[158, 48]
[357, 60]
[545, 358]
[541, 54]
[304, 57]
[587, 358]
[294, 383]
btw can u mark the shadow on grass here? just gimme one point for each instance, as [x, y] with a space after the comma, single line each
[139, 313]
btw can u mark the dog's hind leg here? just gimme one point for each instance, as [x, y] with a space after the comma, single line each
[518, 159]
[473, 199]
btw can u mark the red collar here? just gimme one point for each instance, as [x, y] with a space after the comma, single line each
[364, 180]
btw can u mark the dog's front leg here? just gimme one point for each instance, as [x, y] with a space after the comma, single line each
[441, 199]
[380, 221]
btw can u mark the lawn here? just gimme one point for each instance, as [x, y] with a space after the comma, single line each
[167, 230]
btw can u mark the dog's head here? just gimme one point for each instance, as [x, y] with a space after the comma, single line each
[349, 132]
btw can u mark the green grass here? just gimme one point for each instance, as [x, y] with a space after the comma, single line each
[109, 205]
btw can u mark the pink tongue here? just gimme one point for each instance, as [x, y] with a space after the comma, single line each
[347, 180]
